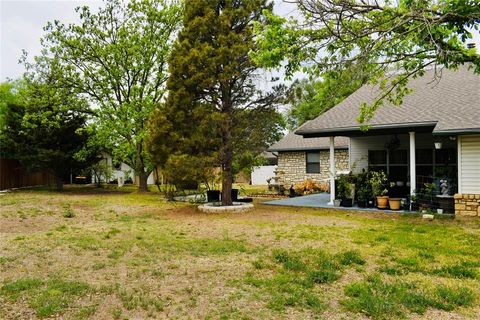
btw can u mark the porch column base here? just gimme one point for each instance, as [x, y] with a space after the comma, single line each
[413, 173]
[332, 171]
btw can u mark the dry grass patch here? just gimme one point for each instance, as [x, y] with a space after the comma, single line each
[104, 254]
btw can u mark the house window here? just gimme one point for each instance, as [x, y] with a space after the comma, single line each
[377, 160]
[392, 162]
[313, 162]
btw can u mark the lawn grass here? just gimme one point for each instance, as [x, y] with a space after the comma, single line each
[92, 253]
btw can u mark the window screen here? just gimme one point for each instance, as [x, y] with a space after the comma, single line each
[313, 162]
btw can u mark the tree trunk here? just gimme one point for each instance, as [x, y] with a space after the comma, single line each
[58, 183]
[142, 181]
[227, 159]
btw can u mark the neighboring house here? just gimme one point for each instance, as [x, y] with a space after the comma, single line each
[261, 174]
[300, 159]
[120, 169]
[433, 135]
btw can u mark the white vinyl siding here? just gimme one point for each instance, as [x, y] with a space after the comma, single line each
[469, 157]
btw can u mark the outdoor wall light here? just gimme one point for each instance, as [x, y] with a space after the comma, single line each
[438, 145]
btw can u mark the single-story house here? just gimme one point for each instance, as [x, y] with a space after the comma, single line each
[300, 158]
[433, 135]
[120, 170]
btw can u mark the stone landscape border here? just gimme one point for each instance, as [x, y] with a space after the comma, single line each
[214, 207]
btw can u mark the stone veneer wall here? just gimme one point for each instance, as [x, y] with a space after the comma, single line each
[293, 165]
[467, 205]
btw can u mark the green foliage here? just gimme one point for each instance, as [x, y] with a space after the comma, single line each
[117, 57]
[68, 213]
[45, 126]
[378, 182]
[214, 109]
[363, 186]
[102, 171]
[344, 189]
[405, 36]
[310, 98]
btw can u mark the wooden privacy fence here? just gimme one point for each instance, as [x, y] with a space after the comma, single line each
[13, 175]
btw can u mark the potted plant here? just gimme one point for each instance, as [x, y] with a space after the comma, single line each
[344, 190]
[378, 181]
[394, 203]
[363, 189]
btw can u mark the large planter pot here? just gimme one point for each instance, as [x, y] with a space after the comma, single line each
[347, 203]
[362, 203]
[371, 203]
[382, 202]
[213, 195]
[337, 202]
[234, 194]
[394, 203]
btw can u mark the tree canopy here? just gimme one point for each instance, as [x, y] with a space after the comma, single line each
[45, 128]
[117, 58]
[214, 110]
[405, 36]
[308, 98]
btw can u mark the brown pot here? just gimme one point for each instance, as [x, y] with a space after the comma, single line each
[382, 202]
[394, 203]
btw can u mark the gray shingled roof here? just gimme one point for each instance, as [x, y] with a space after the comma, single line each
[294, 142]
[451, 105]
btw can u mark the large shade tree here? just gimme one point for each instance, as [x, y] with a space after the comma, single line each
[117, 57]
[308, 98]
[213, 87]
[404, 36]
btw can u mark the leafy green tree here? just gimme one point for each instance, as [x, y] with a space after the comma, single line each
[11, 114]
[44, 128]
[310, 98]
[405, 36]
[212, 88]
[117, 57]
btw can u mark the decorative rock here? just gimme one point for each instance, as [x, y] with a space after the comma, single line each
[428, 216]
[215, 207]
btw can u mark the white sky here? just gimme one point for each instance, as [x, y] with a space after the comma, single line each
[22, 22]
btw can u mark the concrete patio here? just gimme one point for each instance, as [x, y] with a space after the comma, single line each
[320, 200]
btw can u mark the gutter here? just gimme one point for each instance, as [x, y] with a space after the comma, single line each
[457, 131]
[355, 130]
[306, 149]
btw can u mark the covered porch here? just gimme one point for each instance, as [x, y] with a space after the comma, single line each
[318, 200]
[417, 164]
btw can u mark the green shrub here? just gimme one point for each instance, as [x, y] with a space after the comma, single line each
[68, 213]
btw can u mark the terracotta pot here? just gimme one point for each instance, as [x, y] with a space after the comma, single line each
[394, 203]
[382, 202]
